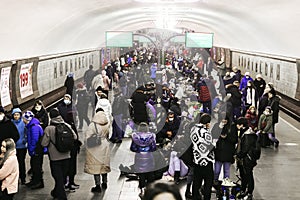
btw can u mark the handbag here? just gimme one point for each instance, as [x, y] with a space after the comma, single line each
[94, 140]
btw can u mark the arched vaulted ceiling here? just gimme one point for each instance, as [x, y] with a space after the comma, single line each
[39, 27]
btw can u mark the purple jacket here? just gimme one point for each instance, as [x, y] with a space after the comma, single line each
[143, 144]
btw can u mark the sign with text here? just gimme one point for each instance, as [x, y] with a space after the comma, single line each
[25, 80]
[199, 40]
[119, 39]
[4, 84]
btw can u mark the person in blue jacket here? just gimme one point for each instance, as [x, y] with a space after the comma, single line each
[35, 149]
[245, 80]
[21, 144]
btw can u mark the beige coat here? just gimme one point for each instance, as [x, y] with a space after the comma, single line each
[9, 174]
[97, 160]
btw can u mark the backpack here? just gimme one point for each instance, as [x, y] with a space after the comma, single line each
[64, 138]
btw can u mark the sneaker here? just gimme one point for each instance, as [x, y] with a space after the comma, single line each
[248, 197]
[74, 185]
[227, 183]
[104, 186]
[69, 188]
[97, 188]
[276, 144]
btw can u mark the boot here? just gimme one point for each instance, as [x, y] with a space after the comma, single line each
[176, 177]
[97, 188]
[188, 193]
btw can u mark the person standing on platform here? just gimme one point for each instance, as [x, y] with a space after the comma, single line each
[7, 128]
[245, 80]
[69, 84]
[21, 145]
[260, 85]
[97, 160]
[68, 113]
[40, 113]
[88, 77]
[82, 104]
[143, 144]
[203, 157]
[273, 102]
[59, 162]
[36, 151]
[9, 170]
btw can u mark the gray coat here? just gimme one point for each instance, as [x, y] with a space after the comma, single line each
[49, 139]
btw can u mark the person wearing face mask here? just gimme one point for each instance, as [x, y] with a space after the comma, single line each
[245, 80]
[225, 146]
[7, 128]
[40, 113]
[252, 117]
[21, 144]
[249, 96]
[169, 131]
[68, 113]
[265, 127]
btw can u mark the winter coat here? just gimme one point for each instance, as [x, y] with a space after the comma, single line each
[236, 96]
[203, 91]
[274, 103]
[249, 151]
[88, 76]
[221, 69]
[263, 103]
[153, 70]
[68, 113]
[8, 130]
[22, 142]
[69, 84]
[42, 116]
[97, 160]
[244, 82]
[260, 86]
[225, 147]
[252, 119]
[97, 81]
[170, 126]
[49, 140]
[138, 103]
[105, 105]
[265, 123]
[249, 96]
[34, 132]
[143, 144]
[9, 174]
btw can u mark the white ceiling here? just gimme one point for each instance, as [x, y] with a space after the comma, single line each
[39, 27]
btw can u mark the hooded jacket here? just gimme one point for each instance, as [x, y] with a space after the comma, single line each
[143, 143]
[49, 140]
[97, 160]
[106, 106]
[34, 132]
[265, 123]
[22, 142]
[8, 130]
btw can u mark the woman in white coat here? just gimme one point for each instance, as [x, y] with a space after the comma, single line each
[97, 160]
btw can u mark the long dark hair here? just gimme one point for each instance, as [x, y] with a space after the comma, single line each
[10, 146]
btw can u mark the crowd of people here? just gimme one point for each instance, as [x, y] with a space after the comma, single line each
[166, 109]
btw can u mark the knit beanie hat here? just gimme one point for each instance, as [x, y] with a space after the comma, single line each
[28, 115]
[54, 113]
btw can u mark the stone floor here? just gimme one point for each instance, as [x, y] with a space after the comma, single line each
[276, 175]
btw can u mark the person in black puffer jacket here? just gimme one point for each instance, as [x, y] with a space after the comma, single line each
[7, 128]
[248, 152]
